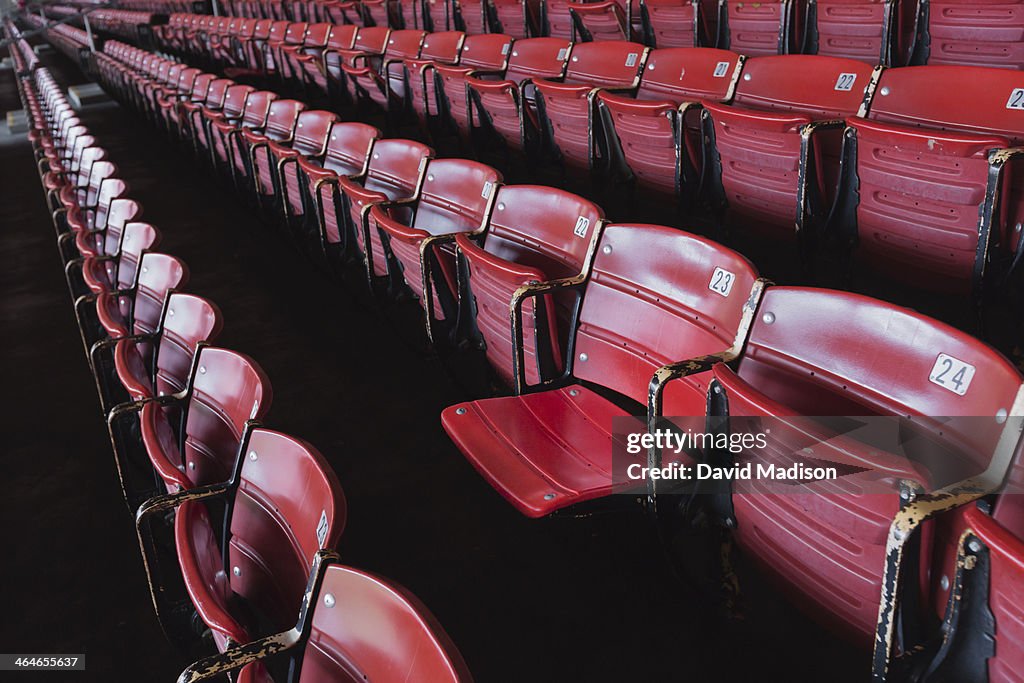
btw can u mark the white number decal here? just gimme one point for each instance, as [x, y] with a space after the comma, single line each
[562, 53]
[504, 48]
[631, 58]
[486, 192]
[321, 528]
[1016, 100]
[721, 69]
[721, 281]
[582, 224]
[952, 374]
[845, 81]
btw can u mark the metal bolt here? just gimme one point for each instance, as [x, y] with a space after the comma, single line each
[944, 582]
[501, 206]
[1001, 415]
[974, 546]
[584, 357]
[650, 67]
[202, 369]
[515, 54]
[884, 91]
[430, 176]
[145, 269]
[192, 465]
[575, 59]
[170, 311]
[328, 600]
[460, 411]
[768, 318]
[606, 249]
[574, 392]
[1018, 227]
[253, 456]
[746, 77]
[376, 155]
[549, 496]
[237, 571]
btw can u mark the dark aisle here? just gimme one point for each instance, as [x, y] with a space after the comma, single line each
[563, 599]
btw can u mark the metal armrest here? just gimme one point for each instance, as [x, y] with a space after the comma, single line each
[240, 655]
[679, 370]
[997, 161]
[237, 657]
[529, 291]
[915, 510]
[122, 409]
[170, 501]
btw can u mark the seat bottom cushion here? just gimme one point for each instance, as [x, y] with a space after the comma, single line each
[542, 451]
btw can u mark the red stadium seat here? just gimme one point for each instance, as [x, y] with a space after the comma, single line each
[507, 107]
[312, 133]
[457, 197]
[313, 63]
[280, 126]
[382, 80]
[187, 321]
[224, 392]
[347, 156]
[482, 56]
[776, 146]
[284, 505]
[395, 174]
[313, 44]
[760, 28]
[916, 199]
[515, 18]
[472, 16]
[983, 623]
[551, 449]
[438, 48]
[104, 249]
[873, 32]
[972, 33]
[192, 115]
[815, 352]
[556, 20]
[656, 136]
[604, 20]
[438, 15]
[219, 122]
[137, 310]
[355, 627]
[369, 43]
[229, 146]
[679, 23]
[535, 234]
[568, 109]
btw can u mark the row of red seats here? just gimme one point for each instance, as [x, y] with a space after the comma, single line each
[165, 6]
[22, 54]
[820, 151]
[893, 33]
[571, 309]
[71, 41]
[124, 24]
[194, 414]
